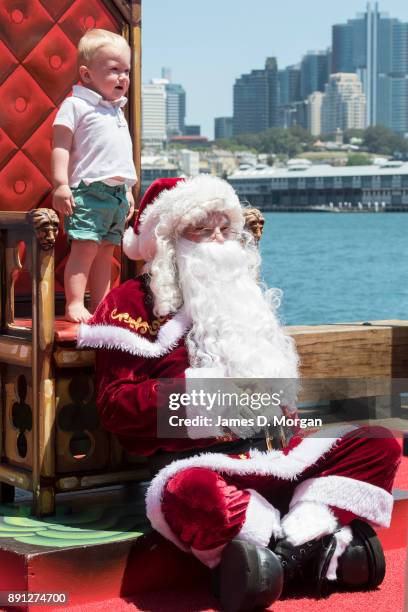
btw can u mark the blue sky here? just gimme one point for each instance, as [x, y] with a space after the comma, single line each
[209, 43]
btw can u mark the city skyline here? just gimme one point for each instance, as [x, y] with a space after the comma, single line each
[207, 67]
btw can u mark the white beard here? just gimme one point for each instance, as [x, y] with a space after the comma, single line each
[235, 327]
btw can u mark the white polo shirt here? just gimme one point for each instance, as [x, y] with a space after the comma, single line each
[101, 147]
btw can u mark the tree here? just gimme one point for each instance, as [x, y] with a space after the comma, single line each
[379, 139]
[359, 159]
[352, 133]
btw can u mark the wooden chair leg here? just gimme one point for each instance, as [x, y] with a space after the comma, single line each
[44, 501]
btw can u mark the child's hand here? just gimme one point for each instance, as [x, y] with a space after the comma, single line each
[131, 201]
[63, 200]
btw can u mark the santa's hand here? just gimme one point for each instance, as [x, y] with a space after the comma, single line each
[243, 422]
[202, 380]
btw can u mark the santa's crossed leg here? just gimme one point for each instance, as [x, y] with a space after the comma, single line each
[316, 487]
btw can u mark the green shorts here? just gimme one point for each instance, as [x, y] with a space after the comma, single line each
[99, 214]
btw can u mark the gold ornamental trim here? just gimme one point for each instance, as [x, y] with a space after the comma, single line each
[137, 324]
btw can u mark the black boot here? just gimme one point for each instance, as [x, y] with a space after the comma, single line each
[249, 577]
[362, 564]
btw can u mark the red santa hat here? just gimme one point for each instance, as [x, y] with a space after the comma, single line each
[172, 204]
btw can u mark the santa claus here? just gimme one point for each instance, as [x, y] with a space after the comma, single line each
[258, 517]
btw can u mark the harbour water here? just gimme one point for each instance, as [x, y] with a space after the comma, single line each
[337, 267]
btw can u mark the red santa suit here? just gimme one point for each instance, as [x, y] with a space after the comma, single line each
[201, 503]
[137, 349]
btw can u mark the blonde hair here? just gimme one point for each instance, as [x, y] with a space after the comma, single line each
[94, 40]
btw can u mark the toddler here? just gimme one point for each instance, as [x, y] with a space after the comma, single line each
[92, 168]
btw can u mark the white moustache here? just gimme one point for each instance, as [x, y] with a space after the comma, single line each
[234, 325]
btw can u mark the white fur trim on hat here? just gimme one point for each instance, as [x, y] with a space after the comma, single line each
[130, 243]
[139, 245]
[175, 209]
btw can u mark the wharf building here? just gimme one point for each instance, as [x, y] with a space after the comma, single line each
[304, 187]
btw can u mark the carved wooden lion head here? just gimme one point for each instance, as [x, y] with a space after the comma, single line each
[45, 223]
[254, 222]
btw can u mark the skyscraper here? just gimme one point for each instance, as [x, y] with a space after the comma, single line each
[223, 128]
[343, 105]
[175, 109]
[375, 46]
[314, 72]
[256, 97]
[314, 113]
[154, 112]
[289, 85]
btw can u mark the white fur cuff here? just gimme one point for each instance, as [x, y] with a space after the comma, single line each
[307, 521]
[365, 500]
[262, 521]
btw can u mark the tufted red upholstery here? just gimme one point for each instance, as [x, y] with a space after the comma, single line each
[38, 40]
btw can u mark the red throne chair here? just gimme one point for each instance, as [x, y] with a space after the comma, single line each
[50, 437]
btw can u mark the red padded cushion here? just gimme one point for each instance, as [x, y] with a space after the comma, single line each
[52, 63]
[24, 106]
[23, 25]
[38, 147]
[22, 185]
[84, 15]
[8, 62]
[7, 149]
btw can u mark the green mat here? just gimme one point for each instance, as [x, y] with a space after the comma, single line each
[95, 525]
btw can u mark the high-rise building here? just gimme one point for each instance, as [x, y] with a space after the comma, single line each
[192, 130]
[314, 72]
[189, 162]
[256, 97]
[392, 108]
[154, 112]
[166, 73]
[314, 113]
[223, 128]
[375, 46]
[175, 109]
[289, 85]
[293, 114]
[343, 106]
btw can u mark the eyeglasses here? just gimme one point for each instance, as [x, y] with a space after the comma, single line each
[206, 233]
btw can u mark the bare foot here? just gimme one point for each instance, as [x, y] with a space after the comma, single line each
[77, 313]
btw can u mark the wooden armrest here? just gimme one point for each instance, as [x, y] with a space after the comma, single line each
[38, 229]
